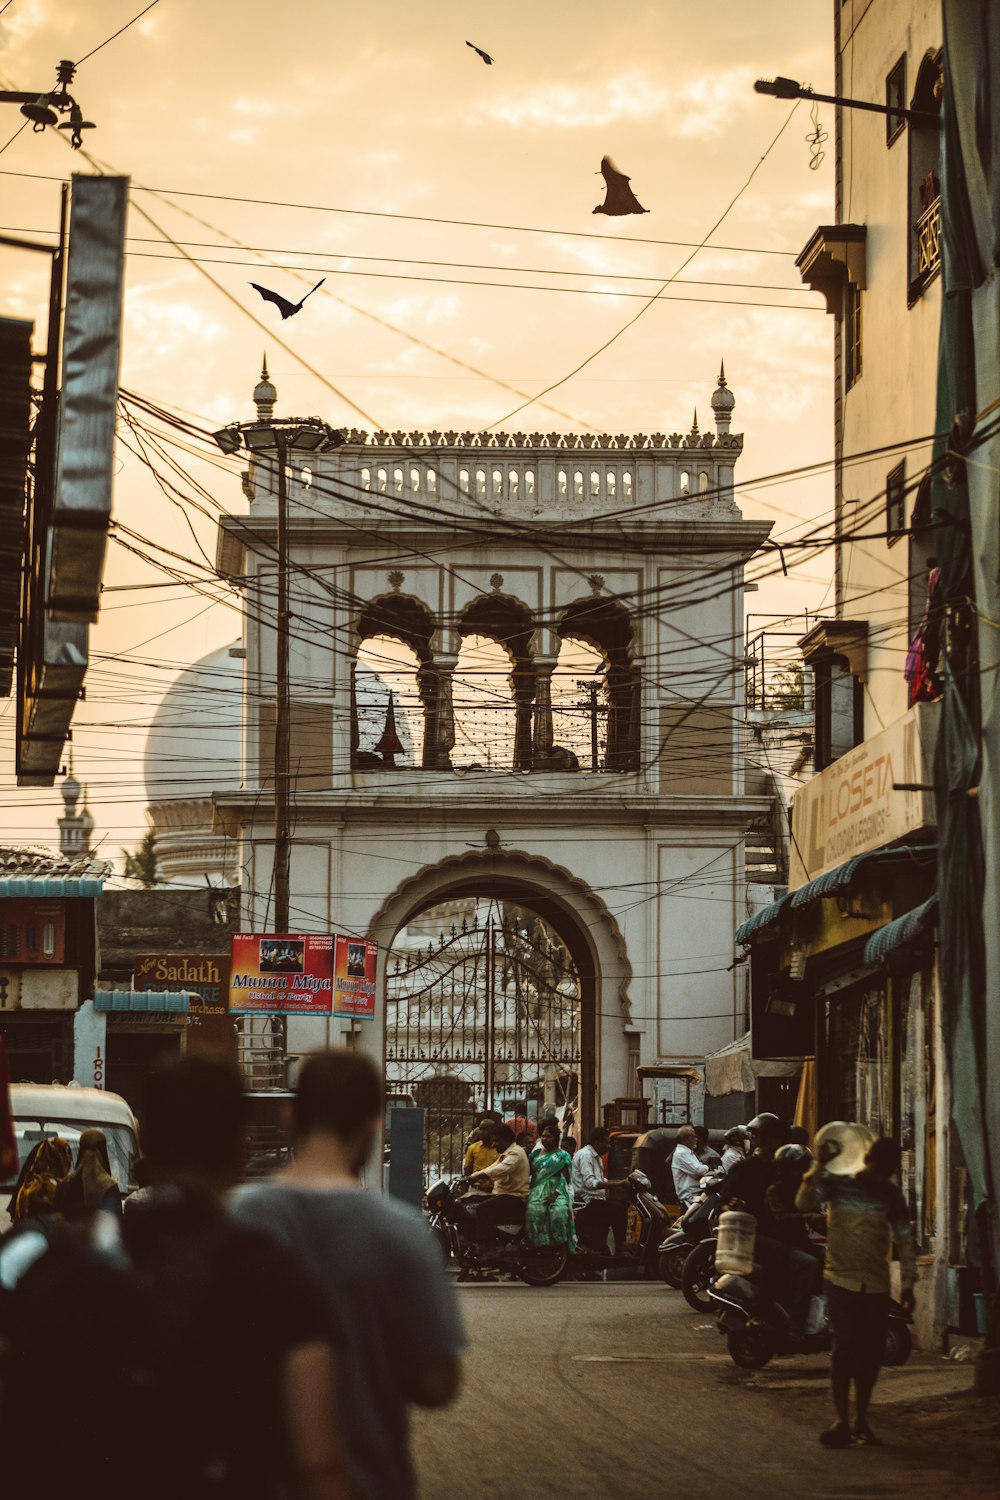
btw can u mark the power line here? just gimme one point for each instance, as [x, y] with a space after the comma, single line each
[94, 50]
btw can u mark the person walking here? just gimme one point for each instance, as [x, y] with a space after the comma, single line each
[392, 1309]
[90, 1185]
[866, 1214]
[549, 1214]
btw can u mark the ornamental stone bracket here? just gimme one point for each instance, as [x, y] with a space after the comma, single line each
[834, 257]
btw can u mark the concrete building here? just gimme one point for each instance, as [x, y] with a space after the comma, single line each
[561, 617]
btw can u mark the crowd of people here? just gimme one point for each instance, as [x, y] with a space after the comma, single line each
[264, 1343]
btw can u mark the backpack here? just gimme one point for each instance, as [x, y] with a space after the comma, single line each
[85, 1372]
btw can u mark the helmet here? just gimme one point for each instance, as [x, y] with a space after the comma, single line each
[736, 1136]
[793, 1156]
[764, 1122]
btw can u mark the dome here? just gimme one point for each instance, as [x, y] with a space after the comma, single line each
[194, 746]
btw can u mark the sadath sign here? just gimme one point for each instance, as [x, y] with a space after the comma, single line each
[870, 797]
[273, 972]
[204, 975]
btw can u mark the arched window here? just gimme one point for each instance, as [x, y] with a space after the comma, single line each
[578, 484]
[463, 481]
[493, 686]
[612, 484]
[529, 485]
[513, 486]
[383, 481]
[414, 478]
[481, 484]
[366, 479]
[386, 667]
[432, 480]
[605, 629]
[627, 485]
[703, 483]
[580, 705]
[685, 482]
[562, 484]
[497, 492]
[397, 475]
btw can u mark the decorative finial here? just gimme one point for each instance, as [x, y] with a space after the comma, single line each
[723, 402]
[694, 421]
[264, 396]
[722, 374]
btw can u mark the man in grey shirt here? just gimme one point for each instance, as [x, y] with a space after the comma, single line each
[393, 1312]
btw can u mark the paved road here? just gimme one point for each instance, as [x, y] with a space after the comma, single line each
[619, 1392]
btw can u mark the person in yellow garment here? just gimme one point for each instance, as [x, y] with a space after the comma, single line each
[865, 1215]
[480, 1152]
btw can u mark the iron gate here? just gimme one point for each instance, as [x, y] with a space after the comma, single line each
[487, 1017]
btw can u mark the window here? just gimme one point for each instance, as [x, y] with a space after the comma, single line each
[924, 182]
[852, 334]
[895, 504]
[895, 98]
[839, 710]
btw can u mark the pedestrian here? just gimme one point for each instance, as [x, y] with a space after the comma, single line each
[549, 1214]
[45, 1168]
[704, 1151]
[598, 1213]
[687, 1166]
[388, 1300]
[866, 1214]
[90, 1185]
[735, 1142]
[480, 1151]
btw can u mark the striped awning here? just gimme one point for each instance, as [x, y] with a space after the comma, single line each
[47, 887]
[159, 1002]
[901, 935]
[761, 919]
[842, 878]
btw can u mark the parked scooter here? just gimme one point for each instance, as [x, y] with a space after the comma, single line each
[639, 1255]
[508, 1248]
[758, 1328]
[697, 1223]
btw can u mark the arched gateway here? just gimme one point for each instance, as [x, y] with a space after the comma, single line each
[516, 747]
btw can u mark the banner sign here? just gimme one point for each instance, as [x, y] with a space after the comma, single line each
[283, 974]
[204, 975]
[354, 983]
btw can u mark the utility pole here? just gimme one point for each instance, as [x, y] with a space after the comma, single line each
[282, 712]
[592, 688]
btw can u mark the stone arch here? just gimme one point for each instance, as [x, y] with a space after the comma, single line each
[406, 619]
[507, 620]
[580, 917]
[608, 627]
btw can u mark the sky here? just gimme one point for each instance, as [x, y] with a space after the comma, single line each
[364, 134]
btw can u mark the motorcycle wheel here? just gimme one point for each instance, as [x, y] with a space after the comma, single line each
[698, 1270]
[898, 1343]
[544, 1265]
[751, 1347]
[672, 1265]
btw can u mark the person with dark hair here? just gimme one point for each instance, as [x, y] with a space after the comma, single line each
[389, 1303]
[90, 1185]
[704, 1151]
[508, 1181]
[480, 1151]
[243, 1315]
[798, 1135]
[598, 1213]
[865, 1215]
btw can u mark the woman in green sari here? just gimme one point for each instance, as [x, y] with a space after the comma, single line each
[549, 1211]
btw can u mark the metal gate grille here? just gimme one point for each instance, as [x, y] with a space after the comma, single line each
[485, 1017]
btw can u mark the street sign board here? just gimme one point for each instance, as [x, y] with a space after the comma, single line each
[281, 973]
[354, 979]
[205, 976]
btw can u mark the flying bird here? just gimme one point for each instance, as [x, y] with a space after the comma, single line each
[487, 59]
[619, 198]
[287, 309]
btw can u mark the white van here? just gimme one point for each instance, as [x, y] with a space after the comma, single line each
[64, 1109]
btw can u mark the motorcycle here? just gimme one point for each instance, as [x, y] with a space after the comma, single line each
[696, 1224]
[508, 1250]
[641, 1252]
[758, 1328]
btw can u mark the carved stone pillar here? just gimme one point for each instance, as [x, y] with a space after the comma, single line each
[542, 738]
[523, 687]
[434, 683]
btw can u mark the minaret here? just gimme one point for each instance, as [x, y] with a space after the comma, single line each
[723, 402]
[264, 395]
[75, 828]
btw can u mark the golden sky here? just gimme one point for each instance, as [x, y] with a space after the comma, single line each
[383, 109]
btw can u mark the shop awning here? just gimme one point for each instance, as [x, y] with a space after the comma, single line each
[901, 934]
[159, 1002]
[761, 919]
[842, 878]
[49, 887]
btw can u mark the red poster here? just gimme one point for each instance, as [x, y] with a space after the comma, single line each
[291, 975]
[354, 983]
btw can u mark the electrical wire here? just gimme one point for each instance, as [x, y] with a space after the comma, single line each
[114, 35]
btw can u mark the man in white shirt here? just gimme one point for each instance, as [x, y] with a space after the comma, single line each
[590, 1186]
[687, 1167]
[510, 1180]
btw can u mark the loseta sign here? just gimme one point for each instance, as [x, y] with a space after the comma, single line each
[870, 797]
[281, 974]
[354, 981]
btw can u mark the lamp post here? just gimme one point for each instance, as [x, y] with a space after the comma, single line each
[281, 437]
[787, 88]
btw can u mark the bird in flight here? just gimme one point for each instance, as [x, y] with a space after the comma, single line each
[487, 59]
[287, 309]
[619, 198]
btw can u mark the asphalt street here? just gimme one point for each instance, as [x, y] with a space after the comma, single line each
[580, 1392]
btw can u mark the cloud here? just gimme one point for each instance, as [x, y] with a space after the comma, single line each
[696, 108]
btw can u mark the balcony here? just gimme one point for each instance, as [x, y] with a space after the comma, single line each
[928, 230]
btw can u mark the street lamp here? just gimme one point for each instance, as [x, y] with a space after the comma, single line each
[281, 437]
[787, 88]
[45, 109]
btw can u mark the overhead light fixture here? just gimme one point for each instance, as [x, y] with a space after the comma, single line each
[306, 439]
[780, 88]
[259, 436]
[228, 439]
